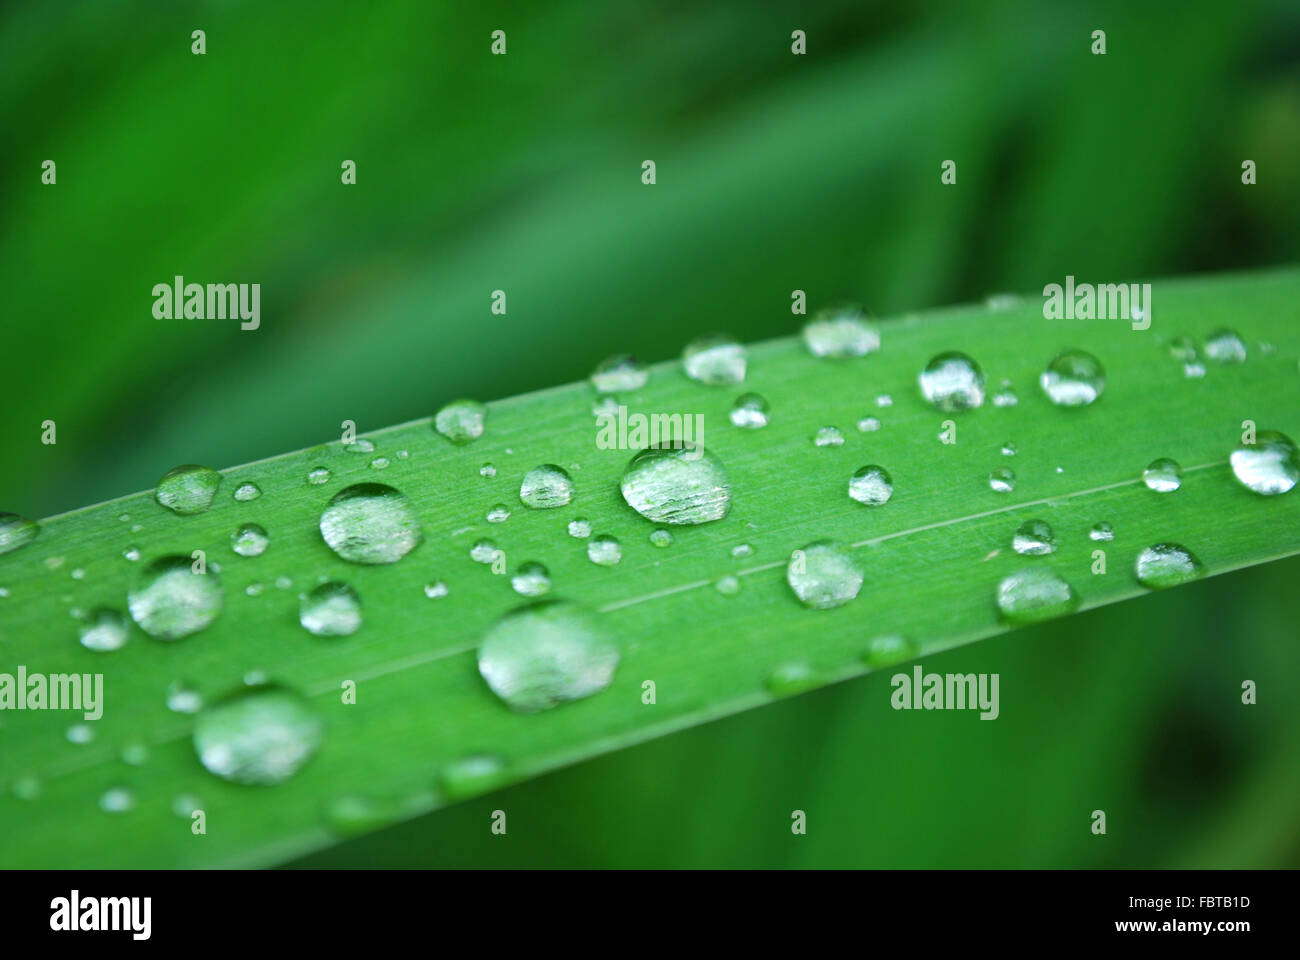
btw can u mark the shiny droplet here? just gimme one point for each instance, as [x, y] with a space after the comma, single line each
[169, 600]
[871, 485]
[1268, 466]
[247, 491]
[1006, 397]
[249, 540]
[1033, 594]
[435, 590]
[840, 331]
[471, 776]
[1101, 531]
[1225, 346]
[484, 551]
[330, 610]
[182, 698]
[1184, 348]
[546, 487]
[1009, 449]
[604, 550]
[1166, 565]
[188, 489]
[487, 470]
[260, 736]
[370, 523]
[1073, 379]
[1034, 538]
[104, 630]
[619, 374]
[685, 485]
[952, 381]
[750, 412]
[661, 537]
[1163, 476]
[498, 514]
[531, 579]
[318, 475]
[728, 586]
[790, 678]
[715, 359]
[828, 437]
[1002, 480]
[887, 650]
[824, 575]
[579, 528]
[117, 800]
[868, 425]
[461, 421]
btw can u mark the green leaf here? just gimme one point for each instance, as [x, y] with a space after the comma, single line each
[426, 730]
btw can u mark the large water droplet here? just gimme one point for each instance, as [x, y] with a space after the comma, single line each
[952, 381]
[1073, 379]
[169, 600]
[546, 487]
[823, 575]
[16, 531]
[677, 485]
[1034, 594]
[750, 411]
[1034, 538]
[840, 331]
[1166, 565]
[330, 610]
[1225, 346]
[715, 359]
[547, 653]
[1268, 466]
[249, 540]
[531, 579]
[261, 736]
[604, 550]
[1163, 475]
[104, 630]
[188, 489]
[461, 421]
[619, 374]
[871, 485]
[370, 523]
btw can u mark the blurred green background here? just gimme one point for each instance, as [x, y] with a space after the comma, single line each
[775, 172]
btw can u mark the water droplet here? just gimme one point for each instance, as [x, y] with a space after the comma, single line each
[1184, 348]
[790, 678]
[182, 698]
[546, 487]
[78, 574]
[1034, 538]
[1073, 379]
[840, 331]
[741, 550]
[370, 523]
[823, 575]
[484, 551]
[184, 805]
[1166, 565]
[868, 425]
[1163, 476]
[351, 816]
[952, 381]
[80, 733]
[1268, 466]
[487, 470]
[1193, 371]
[379, 463]
[260, 736]
[117, 800]
[255, 589]
[498, 514]
[1034, 594]
[188, 489]
[531, 579]
[661, 537]
[461, 421]
[728, 586]
[1003, 301]
[580, 528]
[1006, 397]
[331, 609]
[871, 485]
[1009, 449]
[106, 630]
[471, 776]
[715, 359]
[247, 491]
[685, 485]
[828, 437]
[606, 407]
[131, 553]
[169, 600]
[402, 454]
[1225, 346]
[887, 650]
[547, 653]
[249, 540]
[360, 445]
[283, 583]
[435, 589]
[750, 411]
[1102, 531]
[27, 788]
[1002, 480]
[619, 373]
[884, 400]
[318, 475]
[604, 550]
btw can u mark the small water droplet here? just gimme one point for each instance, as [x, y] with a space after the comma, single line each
[685, 485]
[131, 553]
[1034, 594]
[1002, 480]
[1184, 348]
[887, 650]
[952, 381]
[435, 589]
[728, 586]
[868, 425]
[1166, 565]
[660, 537]
[1034, 538]
[360, 445]
[828, 437]
[80, 733]
[249, 540]
[27, 788]
[471, 776]
[790, 678]
[331, 609]
[379, 463]
[1006, 397]
[1225, 346]
[604, 550]
[188, 489]
[484, 551]
[169, 600]
[1101, 531]
[351, 816]
[283, 583]
[1009, 449]
[715, 359]
[487, 470]
[247, 491]
[104, 631]
[1194, 371]
[498, 514]
[184, 805]
[402, 454]
[117, 800]
[1163, 475]
[1268, 466]
[1073, 379]
[262, 736]
[547, 653]
[742, 550]
[546, 487]
[606, 407]
[580, 528]
[318, 475]
[255, 589]
[531, 579]
[884, 400]
[182, 698]
[871, 485]
[461, 421]
[750, 411]
[370, 523]
[824, 575]
[840, 331]
[618, 374]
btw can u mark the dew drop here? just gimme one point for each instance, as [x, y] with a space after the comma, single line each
[871, 485]
[531, 579]
[684, 485]
[619, 373]
[370, 523]
[80, 733]
[868, 425]
[823, 575]
[1034, 594]
[117, 800]
[1184, 348]
[1166, 565]
[728, 586]
[887, 650]
[750, 411]
[435, 589]
[884, 400]
[840, 331]
[604, 550]
[318, 475]
[461, 421]
[131, 553]
[1073, 379]
[952, 382]
[379, 463]
[360, 445]
[105, 630]
[1268, 466]
[182, 698]
[660, 537]
[1101, 531]
[1163, 476]
[259, 736]
[249, 540]
[1009, 449]
[470, 776]
[790, 678]
[135, 754]
[1006, 397]
[579, 528]
[546, 487]
[487, 470]
[715, 359]
[484, 551]
[1002, 480]
[27, 788]
[1034, 538]
[606, 407]
[828, 437]
[498, 514]
[184, 805]
[247, 491]
[169, 600]
[330, 610]
[188, 489]
[742, 550]
[1225, 346]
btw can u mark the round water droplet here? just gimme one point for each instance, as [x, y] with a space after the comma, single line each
[1073, 379]
[260, 736]
[1166, 565]
[484, 551]
[884, 400]
[606, 407]
[604, 550]
[435, 589]
[360, 445]
[868, 425]
[487, 470]
[887, 650]
[618, 374]
[661, 537]
[370, 523]
[580, 528]
[188, 489]
[169, 600]
[790, 678]
[80, 733]
[1102, 531]
[546, 487]
[728, 586]
[461, 421]
[117, 800]
[1225, 346]
[828, 437]
[351, 816]
[1002, 480]
[318, 475]
[750, 411]
[104, 630]
[1184, 348]
[952, 381]
[471, 776]
[547, 653]
[330, 610]
[871, 485]
[498, 514]
[1034, 594]
[840, 331]
[683, 485]
[715, 359]
[531, 579]
[131, 553]
[1268, 466]
[741, 550]
[379, 463]
[1009, 449]
[247, 491]
[1163, 476]
[250, 540]
[1034, 538]
[1006, 397]
[182, 698]
[823, 575]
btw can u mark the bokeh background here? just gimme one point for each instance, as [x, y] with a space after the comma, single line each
[775, 172]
